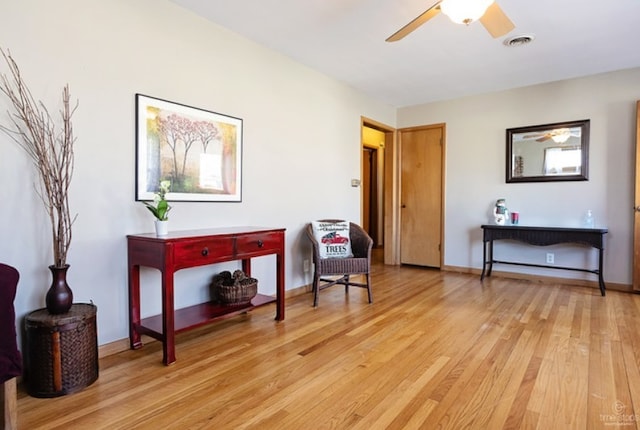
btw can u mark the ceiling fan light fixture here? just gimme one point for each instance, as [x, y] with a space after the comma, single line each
[561, 136]
[464, 11]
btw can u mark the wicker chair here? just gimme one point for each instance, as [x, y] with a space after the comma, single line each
[343, 268]
[10, 357]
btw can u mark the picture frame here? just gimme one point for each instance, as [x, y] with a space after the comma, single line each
[197, 150]
[548, 152]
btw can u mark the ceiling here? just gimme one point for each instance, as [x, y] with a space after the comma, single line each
[345, 39]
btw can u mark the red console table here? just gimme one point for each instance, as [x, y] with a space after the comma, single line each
[184, 249]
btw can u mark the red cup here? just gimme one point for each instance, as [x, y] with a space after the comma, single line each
[515, 217]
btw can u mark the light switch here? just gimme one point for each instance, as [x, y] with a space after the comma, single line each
[355, 182]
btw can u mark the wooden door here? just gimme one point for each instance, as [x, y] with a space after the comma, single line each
[636, 217]
[421, 156]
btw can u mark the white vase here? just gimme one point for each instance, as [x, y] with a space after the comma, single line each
[162, 228]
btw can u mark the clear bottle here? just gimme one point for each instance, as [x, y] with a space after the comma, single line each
[588, 221]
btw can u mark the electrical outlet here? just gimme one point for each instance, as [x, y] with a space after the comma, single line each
[305, 265]
[550, 258]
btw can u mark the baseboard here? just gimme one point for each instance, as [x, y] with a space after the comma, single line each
[113, 348]
[297, 291]
[542, 278]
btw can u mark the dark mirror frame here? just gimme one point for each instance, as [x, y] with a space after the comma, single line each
[547, 128]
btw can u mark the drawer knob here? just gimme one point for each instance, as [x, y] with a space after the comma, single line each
[260, 244]
[205, 252]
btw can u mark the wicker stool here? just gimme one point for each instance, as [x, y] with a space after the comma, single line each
[62, 351]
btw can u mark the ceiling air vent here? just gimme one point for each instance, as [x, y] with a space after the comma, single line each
[523, 39]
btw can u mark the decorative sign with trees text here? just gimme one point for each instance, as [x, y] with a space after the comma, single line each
[334, 240]
[198, 151]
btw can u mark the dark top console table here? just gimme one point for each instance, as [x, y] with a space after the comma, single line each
[185, 249]
[543, 236]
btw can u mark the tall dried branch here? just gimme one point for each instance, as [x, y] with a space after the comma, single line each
[50, 149]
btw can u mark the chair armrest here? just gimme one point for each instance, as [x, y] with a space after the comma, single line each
[314, 243]
[10, 357]
[361, 242]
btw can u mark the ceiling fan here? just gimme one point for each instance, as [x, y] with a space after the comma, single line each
[559, 135]
[462, 12]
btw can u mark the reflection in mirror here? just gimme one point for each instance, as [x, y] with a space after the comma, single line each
[550, 152]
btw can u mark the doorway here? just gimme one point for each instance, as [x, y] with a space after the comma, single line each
[370, 193]
[377, 199]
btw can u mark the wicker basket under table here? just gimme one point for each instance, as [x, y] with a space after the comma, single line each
[62, 351]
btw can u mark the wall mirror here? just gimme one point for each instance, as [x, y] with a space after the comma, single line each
[548, 152]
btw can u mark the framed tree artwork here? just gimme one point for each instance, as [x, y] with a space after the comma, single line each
[198, 151]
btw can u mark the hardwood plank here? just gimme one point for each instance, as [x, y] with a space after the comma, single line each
[435, 350]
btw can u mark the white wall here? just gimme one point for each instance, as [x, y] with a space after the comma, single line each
[301, 143]
[475, 170]
[301, 146]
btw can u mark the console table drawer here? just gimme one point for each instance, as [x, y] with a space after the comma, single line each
[248, 244]
[203, 251]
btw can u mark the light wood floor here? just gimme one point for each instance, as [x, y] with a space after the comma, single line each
[434, 350]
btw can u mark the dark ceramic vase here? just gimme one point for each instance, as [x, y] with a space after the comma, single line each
[59, 297]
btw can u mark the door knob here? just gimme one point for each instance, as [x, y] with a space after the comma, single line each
[637, 208]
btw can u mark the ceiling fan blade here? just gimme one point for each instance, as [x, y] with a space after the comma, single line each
[417, 22]
[496, 22]
[544, 138]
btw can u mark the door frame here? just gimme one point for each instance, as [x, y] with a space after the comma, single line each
[389, 173]
[391, 188]
[635, 282]
[371, 183]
